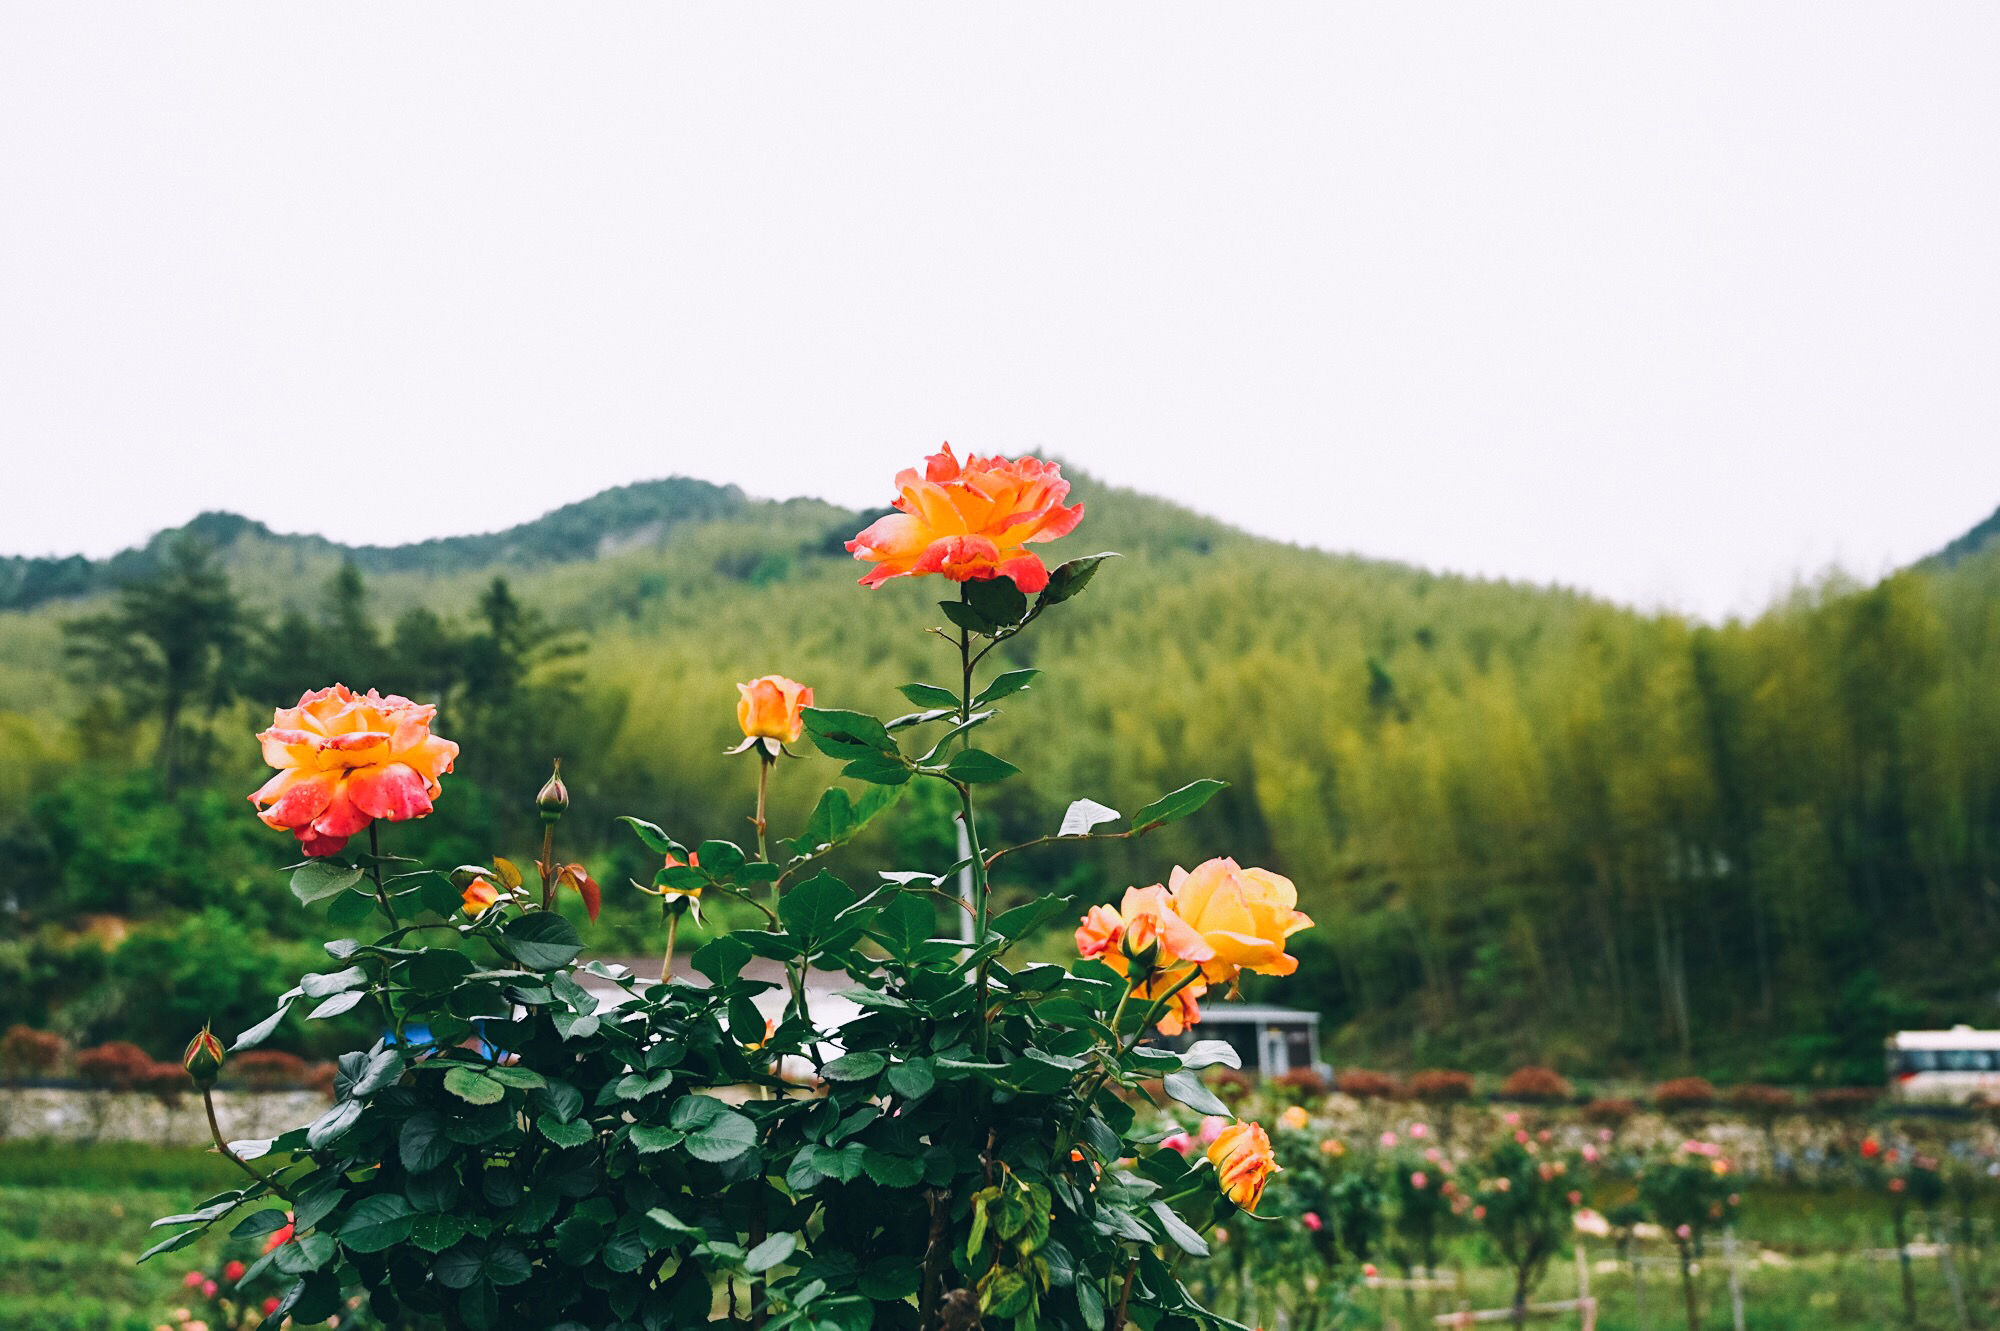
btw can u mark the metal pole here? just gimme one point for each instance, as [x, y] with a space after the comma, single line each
[965, 925]
[1735, 1285]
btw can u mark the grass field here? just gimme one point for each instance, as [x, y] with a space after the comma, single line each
[72, 1219]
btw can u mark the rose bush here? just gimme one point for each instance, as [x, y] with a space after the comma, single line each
[518, 1150]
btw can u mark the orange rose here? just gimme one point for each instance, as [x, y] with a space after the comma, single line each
[345, 760]
[1243, 1162]
[1244, 915]
[769, 709]
[970, 520]
[1145, 932]
[479, 897]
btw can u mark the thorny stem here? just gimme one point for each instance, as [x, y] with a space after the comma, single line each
[215, 1131]
[375, 872]
[764, 764]
[667, 961]
[979, 882]
[548, 866]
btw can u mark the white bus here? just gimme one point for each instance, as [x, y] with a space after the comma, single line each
[1959, 1064]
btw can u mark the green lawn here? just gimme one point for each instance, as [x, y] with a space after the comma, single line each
[72, 1219]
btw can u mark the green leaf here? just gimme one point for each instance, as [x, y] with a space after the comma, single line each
[721, 959]
[262, 1031]
[335, 1121]
[316, 880]
[715, 1132]
[912, 1080]
[1176, 805]
[334, 982]
[650, 1138]
[842, 734]
[655, 840]
[350, 908]
[336, 1005]
[574, 1133]
[879, 770]
[1067, 579]
[967, 616]
[542, 940]
[259, 1223]
[998, 599]
[178, 1241]
[1025, 919]
[811, 909]
[423, 1144]
[893, 1171]
[1207, 1053]
[435, 1233]
[524, 1079]
[855, 1067]
[1186, 1087]
[977, 765]
[1005, 685]
[376, 1223]
[930, 695]
[305, 1254]
[770, 1252]
[1178, 1232]
[468, 1085]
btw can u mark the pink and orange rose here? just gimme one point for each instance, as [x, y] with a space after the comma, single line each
[345, 760]
[969, 520]
[1243, 915]
[1244, 1162]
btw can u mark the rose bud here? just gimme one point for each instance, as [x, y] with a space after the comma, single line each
[553, 798]
[203, 1059]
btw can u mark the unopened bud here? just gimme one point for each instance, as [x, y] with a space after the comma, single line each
[554, 797]
[203, 1059]
[1141, 945]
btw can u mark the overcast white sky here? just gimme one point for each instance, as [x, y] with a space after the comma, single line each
[1671, 302]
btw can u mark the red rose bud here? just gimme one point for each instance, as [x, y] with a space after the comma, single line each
[553, 798]
[203, 1059]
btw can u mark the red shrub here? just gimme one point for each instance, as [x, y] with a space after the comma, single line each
[319, 1077]
[1841, 1101]
[117, 1066]
[1610, 1113]
[269, 1070]
[27, 1052]
[165, 1082]
[1441, 1086]
[1231, 1083]
[1304, 1081]
[1536, 1084]
[1364, 1084]
[1762, 1102]
[1683, 1093]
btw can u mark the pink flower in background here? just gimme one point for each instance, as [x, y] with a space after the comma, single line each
[1590, 1154]
[1511, 1118]
[1212, 1127]
[1420, 1130]
[1419, 1179]
[1178, 1141]
[1683, 1232]
[1312, 1221]
[192, 1279]
[1388, 1140]
[1521, 1136]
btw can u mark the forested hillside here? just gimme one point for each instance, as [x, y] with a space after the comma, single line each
[1529, 824]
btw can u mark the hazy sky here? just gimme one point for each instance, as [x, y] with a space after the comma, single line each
[1673, 303]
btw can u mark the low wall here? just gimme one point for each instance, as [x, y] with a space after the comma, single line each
[66, 1114]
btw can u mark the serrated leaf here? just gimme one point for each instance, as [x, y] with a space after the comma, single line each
[930, 695]
[334, 1122]
[770, 1252]
[376, 1223]
[1005, 686]
[333, 982]
[1178, 1232]
[262, 1031]
[435, 1233]
[999, 600]
[1186, 1087]
[855, 1067]
[1207, 1053]
[912, 1080]
[1177, 804]
[542, 940]
[811, 909]
[650, 1138]
[844, 734]
[977, 765]
[468, 1085]
[654, 839]
[319, 879]
[1067, 579]
[422, 1144]
[336, 1005]
[573, 1133]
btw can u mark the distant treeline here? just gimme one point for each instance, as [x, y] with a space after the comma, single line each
[1530, 826]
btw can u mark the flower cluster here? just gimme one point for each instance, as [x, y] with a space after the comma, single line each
[1205, 928]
